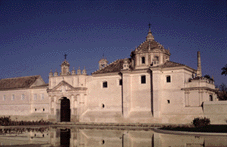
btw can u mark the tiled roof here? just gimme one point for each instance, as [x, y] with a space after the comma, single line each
[170, 64]
[153, 44]
[19, 82]
[146, 45]
[115, 66]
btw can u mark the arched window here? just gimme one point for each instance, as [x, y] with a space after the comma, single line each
[143, 60]
[211, 97]
[155, 60]
[104, 84]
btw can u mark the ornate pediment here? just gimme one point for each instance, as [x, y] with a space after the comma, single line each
[64, 87]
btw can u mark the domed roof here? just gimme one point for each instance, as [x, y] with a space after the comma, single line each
[150, 44]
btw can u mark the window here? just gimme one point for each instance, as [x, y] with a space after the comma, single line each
[13, 97]
[168, 79]
[35, 96]
[143, 60]
[155, 60]
[43, 109]
[168, 101]
[35, 109]
[211, 97]
[120, 82]
[22, 97]
[4, 97]
[103, 106]
[143, 79]
[42, 96]
[104, 84]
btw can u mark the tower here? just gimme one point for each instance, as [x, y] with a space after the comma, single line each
[103, 63]
[65, 67]
[199, 68]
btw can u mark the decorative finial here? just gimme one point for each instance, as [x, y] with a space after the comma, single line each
[65, 56]
[149, 25]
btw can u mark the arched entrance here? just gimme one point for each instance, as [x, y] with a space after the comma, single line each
[65, 110]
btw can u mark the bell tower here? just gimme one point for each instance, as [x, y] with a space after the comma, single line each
[103, 63]
[65, 67]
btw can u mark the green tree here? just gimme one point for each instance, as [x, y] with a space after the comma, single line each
[222, 93]
[224, 70]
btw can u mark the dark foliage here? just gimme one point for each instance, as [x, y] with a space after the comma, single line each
[209, 128]
[208, 77]
[222, 93]
[224, 70]
[201, 122]
[6, 121]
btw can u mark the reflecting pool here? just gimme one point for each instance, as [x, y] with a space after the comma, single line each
[75, 137]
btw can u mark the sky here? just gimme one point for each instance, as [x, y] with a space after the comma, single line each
[35, 35]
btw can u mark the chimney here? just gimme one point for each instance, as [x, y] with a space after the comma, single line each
[199, 69]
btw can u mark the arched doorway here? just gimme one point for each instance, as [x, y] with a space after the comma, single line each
[65, 110]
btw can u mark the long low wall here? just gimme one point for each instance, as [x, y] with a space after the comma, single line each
[216, 111]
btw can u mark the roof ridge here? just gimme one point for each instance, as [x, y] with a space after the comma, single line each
[107, 65]
[21, 77]
[176, 62]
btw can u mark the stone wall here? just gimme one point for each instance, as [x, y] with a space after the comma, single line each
[216, 111]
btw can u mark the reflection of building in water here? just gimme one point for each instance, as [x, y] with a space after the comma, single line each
[147, 87]
[108, 138]
[11, 137]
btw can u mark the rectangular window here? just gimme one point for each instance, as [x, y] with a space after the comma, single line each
[42, 96]
[120, 82]
[4, 97]
[13, 97]
[143, 60]
[168, 79]
[35, 96]
[104, 84]
[143, 79]
[22, 97]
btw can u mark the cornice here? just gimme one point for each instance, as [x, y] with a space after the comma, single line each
[199, 88]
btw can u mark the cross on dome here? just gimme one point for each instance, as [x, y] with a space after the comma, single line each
[65, 56]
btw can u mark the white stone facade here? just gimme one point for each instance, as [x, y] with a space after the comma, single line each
[147, 88]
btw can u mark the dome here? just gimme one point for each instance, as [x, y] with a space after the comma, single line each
[150, 45]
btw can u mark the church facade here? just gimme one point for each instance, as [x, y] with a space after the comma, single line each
[146, 88]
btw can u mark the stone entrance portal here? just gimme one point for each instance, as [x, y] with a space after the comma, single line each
[65, 110]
